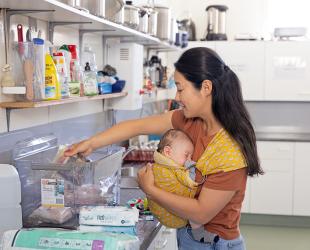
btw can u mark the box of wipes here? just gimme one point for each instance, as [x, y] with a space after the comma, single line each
[108, 216]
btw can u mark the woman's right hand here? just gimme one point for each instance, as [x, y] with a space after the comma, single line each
[83, 147]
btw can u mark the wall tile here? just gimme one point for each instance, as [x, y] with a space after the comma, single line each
[71, 110]
[24, 118]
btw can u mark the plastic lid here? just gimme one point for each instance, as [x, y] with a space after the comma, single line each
[33, 145]
[219, 7]
[65, 47]
[38, 41]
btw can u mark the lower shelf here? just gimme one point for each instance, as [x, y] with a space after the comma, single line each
[21, 105]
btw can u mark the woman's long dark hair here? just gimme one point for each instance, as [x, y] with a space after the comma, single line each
[199, 64]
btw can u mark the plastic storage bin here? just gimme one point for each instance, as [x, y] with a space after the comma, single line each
[52, 193]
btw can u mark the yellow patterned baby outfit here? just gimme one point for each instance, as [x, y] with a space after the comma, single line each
[173, 178]
[222, 154]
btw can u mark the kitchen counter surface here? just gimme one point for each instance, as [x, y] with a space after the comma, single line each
[283, 136]
[147, 231]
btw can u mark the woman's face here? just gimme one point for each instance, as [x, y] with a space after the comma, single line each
[192, 101]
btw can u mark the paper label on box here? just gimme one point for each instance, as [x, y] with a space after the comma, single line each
[57, 243]
[52, 192]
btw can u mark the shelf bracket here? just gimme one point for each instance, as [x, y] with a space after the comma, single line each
[84, 31]
[8, 118]
[52, 25]
[7, 24]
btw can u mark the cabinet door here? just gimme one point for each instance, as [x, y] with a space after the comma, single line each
[272, 193]
[247, 61]
[288, 71]
[301, 180]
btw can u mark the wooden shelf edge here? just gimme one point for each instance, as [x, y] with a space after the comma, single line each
[22, 105]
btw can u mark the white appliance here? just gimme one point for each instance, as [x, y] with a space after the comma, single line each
[127, 58]
[10, 193]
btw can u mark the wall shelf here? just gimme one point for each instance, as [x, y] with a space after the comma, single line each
[22, 105]
[60, 12]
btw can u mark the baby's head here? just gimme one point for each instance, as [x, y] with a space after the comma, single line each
[176, 145]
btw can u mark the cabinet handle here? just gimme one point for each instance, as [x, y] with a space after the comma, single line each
[161, 244]
[304, 93]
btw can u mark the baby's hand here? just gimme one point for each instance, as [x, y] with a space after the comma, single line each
[145, 179]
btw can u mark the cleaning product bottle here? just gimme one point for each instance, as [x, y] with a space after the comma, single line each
[75, 72]
[52, 86]
[88, 56]
[60, 63]
[90, 81]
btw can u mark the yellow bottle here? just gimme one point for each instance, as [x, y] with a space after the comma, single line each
[52, 85]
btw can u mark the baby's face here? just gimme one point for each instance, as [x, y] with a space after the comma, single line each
[181, 151]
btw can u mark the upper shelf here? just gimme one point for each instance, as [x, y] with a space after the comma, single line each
[22, 105]
[61, 12]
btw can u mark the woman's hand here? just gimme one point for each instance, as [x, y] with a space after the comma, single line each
[145, 179]
[84, 148]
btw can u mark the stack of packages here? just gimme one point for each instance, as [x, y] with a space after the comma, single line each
[56, 239]
[109, 219]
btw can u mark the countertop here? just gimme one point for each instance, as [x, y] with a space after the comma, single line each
[283, 136]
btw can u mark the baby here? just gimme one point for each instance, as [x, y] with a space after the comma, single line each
[171, 174]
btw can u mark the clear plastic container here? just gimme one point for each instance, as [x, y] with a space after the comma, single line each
[52, 193]
[28, 69]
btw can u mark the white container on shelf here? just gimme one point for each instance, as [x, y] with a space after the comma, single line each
[163, 22]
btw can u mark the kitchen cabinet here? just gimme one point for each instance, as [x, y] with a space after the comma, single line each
[272, 193]
[288, 71]
[165, 239]
[301, 205]
[246, 59]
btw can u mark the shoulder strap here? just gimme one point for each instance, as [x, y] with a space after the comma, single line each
[222, 154]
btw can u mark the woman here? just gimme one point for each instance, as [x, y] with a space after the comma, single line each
[210, 96]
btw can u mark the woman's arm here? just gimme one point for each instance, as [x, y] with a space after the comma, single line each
[156, 124]
[210, 202]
